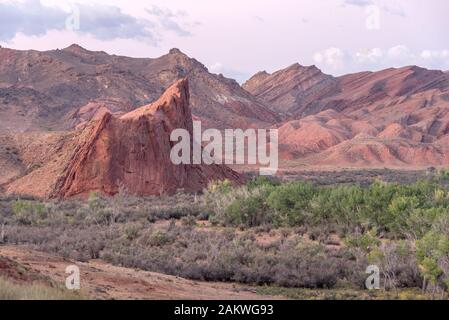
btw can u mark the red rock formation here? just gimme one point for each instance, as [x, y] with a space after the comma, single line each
[319, 132]
[381, 117]
[394, 117]
[291, 89]
[44, 90]
[368, 152]
[131, 151]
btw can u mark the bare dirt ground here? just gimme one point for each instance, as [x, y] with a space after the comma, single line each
[100, 280]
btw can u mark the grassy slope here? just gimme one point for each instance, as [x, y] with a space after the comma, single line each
[13, 291]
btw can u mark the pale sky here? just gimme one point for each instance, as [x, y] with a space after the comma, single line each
[240, 37]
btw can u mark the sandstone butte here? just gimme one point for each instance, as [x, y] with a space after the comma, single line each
[130, 152]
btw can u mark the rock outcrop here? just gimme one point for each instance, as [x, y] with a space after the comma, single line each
[292, 89]
[130, 152]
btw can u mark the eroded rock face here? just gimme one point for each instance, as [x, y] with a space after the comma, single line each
[293, 89]
[131, 151]
[394, 117]
[58, 89]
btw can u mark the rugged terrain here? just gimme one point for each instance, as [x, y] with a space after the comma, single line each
[295, 239]
[60, 109]
[394, 118]
[131, 151]
[61, 89]
[76, 123]
[100, 280]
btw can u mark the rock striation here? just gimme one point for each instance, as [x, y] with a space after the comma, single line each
[131, 152]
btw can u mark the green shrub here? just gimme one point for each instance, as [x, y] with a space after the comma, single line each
[223, 187]
[366, 242]
[28, 212]
[341, 204]
[443, 175]
[421, 220]
[249, 212]
[432, 252]
[189, 221]
[94, 201]
[131, 232]
[263, 181]
[291, 203]
[158, 238]
[398, 212]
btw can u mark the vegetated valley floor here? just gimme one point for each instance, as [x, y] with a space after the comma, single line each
[101, 280]
[266, 240]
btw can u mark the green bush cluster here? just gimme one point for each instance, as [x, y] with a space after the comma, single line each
[28, 212]
[402, 228]
[393, 209]
[298, 234]
[432, 252]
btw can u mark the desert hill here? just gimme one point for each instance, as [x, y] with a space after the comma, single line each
[394, 117]
[52, 103]
[61, 89]
[292, 89]
[303, 91]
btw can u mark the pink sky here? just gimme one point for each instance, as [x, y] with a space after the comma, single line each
[239, 38]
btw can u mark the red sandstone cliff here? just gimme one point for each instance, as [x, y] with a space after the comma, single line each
[131, 151]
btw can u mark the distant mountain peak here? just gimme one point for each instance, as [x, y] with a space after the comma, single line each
[264, 73]
[60, 82]
[287, 88]
[75, 48]
[300, 68]
[175, 51]
[296, 65]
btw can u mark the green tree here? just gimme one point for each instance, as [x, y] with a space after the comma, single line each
[431, 251]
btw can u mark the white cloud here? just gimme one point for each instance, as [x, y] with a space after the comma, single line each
[170, 20]
[432, 54]
[217, 67]
[369, 56]
[333, 58]
[436, 58]
[105, 22]
[247, 36]
[101, 21]
[392, 7]
[361, 3]
[338, 61]
[399, 52]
